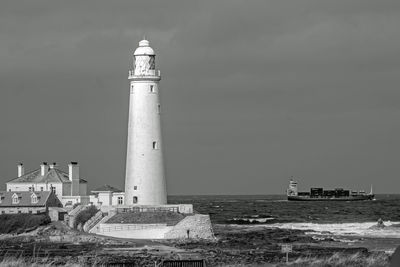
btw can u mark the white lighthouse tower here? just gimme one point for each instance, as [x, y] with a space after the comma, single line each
[145, 180]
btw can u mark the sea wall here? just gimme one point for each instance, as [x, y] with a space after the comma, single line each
[137, 231]
[196, 226]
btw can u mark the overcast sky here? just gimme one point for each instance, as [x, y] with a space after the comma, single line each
[253, 92]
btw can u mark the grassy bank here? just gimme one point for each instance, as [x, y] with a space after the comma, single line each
[341, 260]
[336, 260]
[19, 223]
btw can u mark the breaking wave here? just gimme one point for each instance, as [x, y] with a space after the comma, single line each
[365, 229]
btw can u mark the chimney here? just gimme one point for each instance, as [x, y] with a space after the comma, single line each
[53, 165]
[43, 168]
[21, 169]
[73, 168]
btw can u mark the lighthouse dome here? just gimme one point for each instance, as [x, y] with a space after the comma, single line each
[144, 49]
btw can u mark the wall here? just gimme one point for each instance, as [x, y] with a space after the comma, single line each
[67, 189]
[181, 208]
[92, 221]
[83, 189]
[72, 215]
[199, 227]
[56, 213]
[115, 198]
[84, 200]
[137, 231]
[105, 198]
[14, 210]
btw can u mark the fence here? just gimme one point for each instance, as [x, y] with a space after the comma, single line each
[129, 227]
[148, 209]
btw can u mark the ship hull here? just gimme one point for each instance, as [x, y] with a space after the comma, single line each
[351, 198]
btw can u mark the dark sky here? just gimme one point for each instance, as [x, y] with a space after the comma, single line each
[253, 92]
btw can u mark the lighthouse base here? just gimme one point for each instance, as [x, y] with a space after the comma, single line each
[155, 222]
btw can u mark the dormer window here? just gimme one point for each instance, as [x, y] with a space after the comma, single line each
[34, 199]
[15, 199]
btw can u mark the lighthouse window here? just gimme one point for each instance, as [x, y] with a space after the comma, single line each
[134, 200]
[152, 89]
[158, 108]
[155, 145]
[135, 187]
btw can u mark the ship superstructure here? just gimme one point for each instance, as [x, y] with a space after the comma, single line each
[320, 194]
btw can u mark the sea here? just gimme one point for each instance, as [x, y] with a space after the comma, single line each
[342, 218]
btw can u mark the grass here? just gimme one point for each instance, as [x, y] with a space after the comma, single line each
[19, 223]
[21, 262]
[170, 218]
[336, 260]
[340, 260]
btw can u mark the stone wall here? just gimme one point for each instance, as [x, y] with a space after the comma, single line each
[196, 226]
[92, 221]
[96, 228]
[72, 215]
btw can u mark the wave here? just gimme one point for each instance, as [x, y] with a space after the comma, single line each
[365, 229]
[250, 220]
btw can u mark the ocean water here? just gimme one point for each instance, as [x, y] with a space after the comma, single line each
[353, 218]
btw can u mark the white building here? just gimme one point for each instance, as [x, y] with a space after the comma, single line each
[107, 195]
[145, 180]
[68, 187]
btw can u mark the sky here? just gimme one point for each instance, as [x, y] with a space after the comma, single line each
[253, 92]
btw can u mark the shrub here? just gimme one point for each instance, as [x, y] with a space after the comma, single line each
[19, 223]
[85, 215]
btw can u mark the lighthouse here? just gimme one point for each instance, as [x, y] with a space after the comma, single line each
[145, 179]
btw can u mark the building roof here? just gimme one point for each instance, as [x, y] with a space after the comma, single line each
[53, 175]
[106, 188]
[24, 198]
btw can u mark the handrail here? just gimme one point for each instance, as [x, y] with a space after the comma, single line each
[152, 73]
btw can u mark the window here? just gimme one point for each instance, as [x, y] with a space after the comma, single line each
[41, 188]
[152, 89]
[3, 212]
[155, 145]
[132, 89]
[159, 109]
[135, 187]
[120, 200]
[135, 200]
[30, 212]
[34, 199]
[19, 211]
[15, 199]
[30, 188]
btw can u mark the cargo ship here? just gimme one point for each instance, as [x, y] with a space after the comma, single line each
[319, 194]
